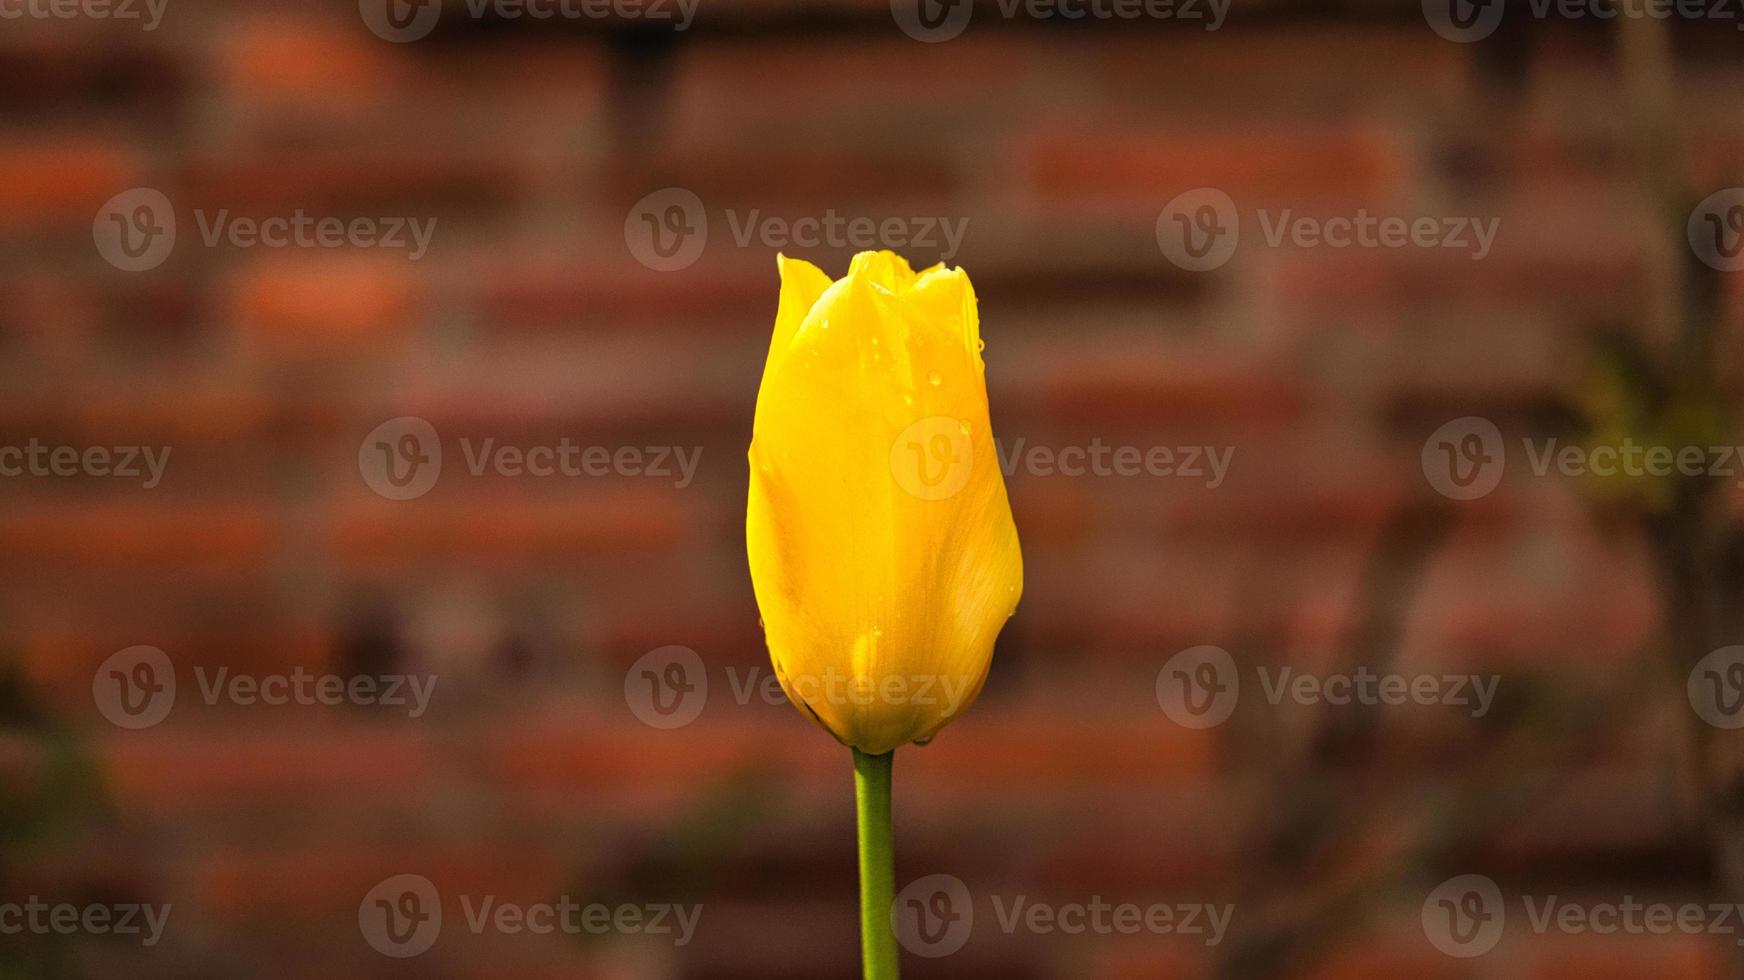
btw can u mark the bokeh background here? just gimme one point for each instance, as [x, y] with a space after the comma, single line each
[536, 315]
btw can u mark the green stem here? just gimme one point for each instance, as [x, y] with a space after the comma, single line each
[877, 864]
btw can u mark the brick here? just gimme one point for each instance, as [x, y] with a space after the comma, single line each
[61, 651]
[1134, 389]
[344, 182]
[194, 760]
[378, 533]
[1106, 168]
[99, 77]
[330, 302]
[1674, 957]
[218, 540]
[59, 183]
[733, 292]
[1367, 957]
[877, 89]
[308, 64]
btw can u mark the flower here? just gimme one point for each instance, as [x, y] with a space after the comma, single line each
[881, 543]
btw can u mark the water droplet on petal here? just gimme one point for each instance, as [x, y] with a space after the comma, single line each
[935, 379]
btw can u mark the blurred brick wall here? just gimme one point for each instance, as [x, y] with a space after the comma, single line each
[530, 320]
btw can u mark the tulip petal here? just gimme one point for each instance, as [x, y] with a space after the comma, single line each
[880, 539]
[801, 285]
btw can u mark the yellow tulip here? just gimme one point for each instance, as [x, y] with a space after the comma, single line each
[881, 543]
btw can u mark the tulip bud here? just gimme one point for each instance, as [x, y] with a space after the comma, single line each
[881, 543]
